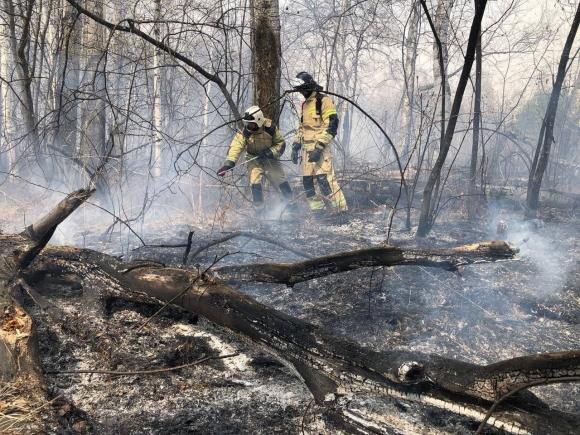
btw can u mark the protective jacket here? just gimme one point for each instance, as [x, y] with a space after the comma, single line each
[315, 121]
[267, 136]
[318, 126]
[254, 143]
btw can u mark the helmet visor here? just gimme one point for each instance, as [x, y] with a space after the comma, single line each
[296, 83]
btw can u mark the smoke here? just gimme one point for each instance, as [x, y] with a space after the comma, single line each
[539, 246]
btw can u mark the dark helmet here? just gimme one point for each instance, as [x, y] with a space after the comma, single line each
[305, 83]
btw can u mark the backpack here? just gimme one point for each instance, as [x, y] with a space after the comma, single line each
[319, 98]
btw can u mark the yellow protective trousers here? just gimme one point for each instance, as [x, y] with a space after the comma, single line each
[321, 173]
[269, 168]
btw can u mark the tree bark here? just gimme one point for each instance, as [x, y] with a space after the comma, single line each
[546, 137]
[427, 217]
[7, 99]
[472, 200]
[68, 82]
[266, 56]
[93, 120]
[411, 43]
[19, 46]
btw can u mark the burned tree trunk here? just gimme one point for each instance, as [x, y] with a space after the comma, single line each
[472, 201]
[266, 55]
[332, 367]
[546, 138]
[293, 273]
[19, 368]
[428, 206]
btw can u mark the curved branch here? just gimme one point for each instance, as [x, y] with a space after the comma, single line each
[131, 28]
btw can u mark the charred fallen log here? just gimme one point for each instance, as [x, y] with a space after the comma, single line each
[293, 273]
[333, 368]
[19, 367]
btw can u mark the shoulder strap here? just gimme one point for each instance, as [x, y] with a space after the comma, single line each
[319, 98]
[271, 129]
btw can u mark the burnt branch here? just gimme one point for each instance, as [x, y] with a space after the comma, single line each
[42, 230]
[249, 235]
[293, 273]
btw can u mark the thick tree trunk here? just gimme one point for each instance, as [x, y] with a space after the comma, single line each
[427, 217]
[546, 138]
[266, 55]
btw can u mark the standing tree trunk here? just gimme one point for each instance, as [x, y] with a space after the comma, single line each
[20, 33]
[472, 199]
[68, 81]
[266, 55]
[409, 74]
[546, 137]
[93, 140]
[7, 100]
[427, 217]
[157, 116]
[440, 29]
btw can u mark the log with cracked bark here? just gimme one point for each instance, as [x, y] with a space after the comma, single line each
[293, 273]
[333, 368]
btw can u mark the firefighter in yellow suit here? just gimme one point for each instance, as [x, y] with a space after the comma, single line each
[263, 144]
[313, 143]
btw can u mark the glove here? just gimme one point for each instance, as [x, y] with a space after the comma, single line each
[266, 154]
[314, 156]
[225, 168]
[296, 152]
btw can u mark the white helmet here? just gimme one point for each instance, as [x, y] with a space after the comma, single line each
[253, 114]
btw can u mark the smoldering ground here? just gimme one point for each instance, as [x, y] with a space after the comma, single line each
[482, 314]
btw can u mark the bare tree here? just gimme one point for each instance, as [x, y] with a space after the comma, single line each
[157, 114]
[427, 217]
[546, 138]
[472, 201]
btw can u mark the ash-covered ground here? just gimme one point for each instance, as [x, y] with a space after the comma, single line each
[486, 313]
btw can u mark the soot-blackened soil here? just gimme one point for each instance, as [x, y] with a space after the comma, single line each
[486, 313]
